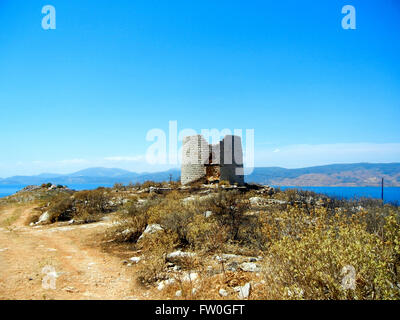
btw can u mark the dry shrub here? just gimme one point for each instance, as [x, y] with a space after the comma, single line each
[149, 183]
[206, 234]
[61, 208]
[307, 261]
[93, 201]
[33, 218]
[131, 222]
[155, 247]
[229, 208]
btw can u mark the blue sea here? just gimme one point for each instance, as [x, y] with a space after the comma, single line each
[391, 194]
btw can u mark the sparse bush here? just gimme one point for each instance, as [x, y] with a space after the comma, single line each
[229, 208]
[61, 208]
[157, 246]
[93, 201]
[308, 261]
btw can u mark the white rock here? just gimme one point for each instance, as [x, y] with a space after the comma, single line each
[44, 218]
[244, 291]
[223, 292]
[178, 293]
[189, 199]
[249, 267]
[161, 286]
[150, 229]
[208, 214]
[226, 256]
[180, 254]
[169, 281]
[190, 276]
[254, 201]
[135, 259]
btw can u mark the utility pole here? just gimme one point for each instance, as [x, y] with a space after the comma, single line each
[382, 189]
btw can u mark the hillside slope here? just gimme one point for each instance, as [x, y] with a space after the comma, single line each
[358, 174]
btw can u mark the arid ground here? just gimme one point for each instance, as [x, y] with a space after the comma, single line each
[84, 270]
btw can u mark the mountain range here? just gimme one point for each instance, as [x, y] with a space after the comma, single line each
[356, 174]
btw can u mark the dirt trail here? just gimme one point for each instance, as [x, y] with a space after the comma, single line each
[32, 257]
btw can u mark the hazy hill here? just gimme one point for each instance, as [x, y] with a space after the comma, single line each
[357, 174]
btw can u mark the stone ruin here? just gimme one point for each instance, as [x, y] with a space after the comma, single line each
[212, 163]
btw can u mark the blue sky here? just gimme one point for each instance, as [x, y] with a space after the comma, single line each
[87, 93]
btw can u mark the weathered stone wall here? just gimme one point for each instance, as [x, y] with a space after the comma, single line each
[232, 160]
[196, 155]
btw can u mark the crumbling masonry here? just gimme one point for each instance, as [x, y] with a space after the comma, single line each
[212, 163]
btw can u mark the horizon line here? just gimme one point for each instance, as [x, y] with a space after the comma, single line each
[178, 168]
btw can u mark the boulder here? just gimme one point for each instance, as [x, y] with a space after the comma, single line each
[44, 218]
[244, 291]
[179, 254]
[249, 267]
[150, 229]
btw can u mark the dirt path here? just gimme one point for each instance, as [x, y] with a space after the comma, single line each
[58, 262]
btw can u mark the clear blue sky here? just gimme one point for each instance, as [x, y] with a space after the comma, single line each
[87, 93]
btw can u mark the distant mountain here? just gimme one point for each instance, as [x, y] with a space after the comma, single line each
[357, 174]
[102, 172]
[92, 176]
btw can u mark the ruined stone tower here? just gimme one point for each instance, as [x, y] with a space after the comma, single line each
[212, 163]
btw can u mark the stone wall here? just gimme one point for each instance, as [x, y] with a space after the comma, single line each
[195, 153]
[232, 160]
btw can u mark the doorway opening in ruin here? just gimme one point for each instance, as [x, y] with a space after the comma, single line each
[213, 171]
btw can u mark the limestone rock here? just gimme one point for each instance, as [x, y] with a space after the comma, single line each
[150, 229]
[249, 267]
[180, 254]
[44, 218]
[223, 292]
[135, 259]
[244, 291]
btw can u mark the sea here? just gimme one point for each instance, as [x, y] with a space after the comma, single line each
[391, 194]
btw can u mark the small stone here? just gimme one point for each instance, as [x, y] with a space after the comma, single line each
[178, 293]
[223, 292]
[190, 276]
[180, 254]
[208, 213]
[249, 267]
[135, 259]
[161, 286]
